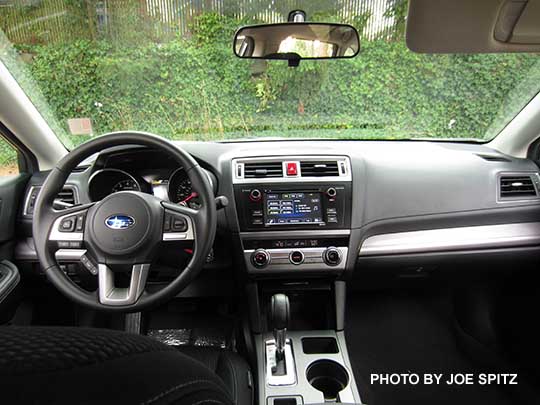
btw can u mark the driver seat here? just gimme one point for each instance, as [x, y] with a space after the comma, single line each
[62, 365]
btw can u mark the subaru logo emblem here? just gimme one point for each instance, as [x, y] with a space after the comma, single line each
[119, 221]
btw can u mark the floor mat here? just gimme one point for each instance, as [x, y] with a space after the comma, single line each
[190, 337]
[404, 332]
[203, 324]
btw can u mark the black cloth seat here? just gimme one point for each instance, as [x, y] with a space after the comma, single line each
[56, 365]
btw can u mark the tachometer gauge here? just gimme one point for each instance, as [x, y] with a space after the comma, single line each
[125, 185]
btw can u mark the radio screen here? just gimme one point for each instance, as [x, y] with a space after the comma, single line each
[293, 208]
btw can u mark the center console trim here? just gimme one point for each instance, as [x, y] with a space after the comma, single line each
[312, 233]
[302, 360]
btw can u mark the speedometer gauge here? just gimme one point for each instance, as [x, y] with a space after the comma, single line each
[181, 191]
[126, 185]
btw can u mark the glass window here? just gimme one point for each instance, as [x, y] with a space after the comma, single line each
[167, 67]
[9, 164]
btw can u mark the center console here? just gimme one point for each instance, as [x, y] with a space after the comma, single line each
[302, 367]
[294, 212]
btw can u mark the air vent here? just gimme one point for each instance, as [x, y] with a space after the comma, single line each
[517, 187]
[253, 170]
[65, 199]
[319, 168]
[66, 196]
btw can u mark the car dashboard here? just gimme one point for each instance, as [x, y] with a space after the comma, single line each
[333, 209]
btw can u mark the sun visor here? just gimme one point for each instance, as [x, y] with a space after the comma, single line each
[473, 26]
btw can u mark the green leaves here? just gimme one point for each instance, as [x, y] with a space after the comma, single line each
[195, 88]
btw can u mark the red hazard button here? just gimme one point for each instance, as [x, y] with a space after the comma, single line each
[292, 169]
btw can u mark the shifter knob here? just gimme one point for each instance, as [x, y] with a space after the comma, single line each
[279, 311]
[279, 314]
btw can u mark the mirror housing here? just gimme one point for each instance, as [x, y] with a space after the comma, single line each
[295, 41]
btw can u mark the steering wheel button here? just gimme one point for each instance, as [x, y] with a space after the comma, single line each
[80, 223]
[167, 223]
[179, 224]
[67, 224]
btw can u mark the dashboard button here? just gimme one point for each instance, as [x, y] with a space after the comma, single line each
[292, 169]
[296, 257]
[331, 192]
[332, 219]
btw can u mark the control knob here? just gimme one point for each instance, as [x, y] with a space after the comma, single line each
[331, 192]
[296, 257]
[332, 256]
[260, 258]
[255, 195]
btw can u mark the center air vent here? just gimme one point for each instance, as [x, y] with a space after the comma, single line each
[319, 168]
[254, 170]
[517, 187]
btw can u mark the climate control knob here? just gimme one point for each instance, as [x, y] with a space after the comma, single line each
[296, 257]
[255, 195]
[332, 256]
[260, 258]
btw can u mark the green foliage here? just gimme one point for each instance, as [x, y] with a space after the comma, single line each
[195, 88]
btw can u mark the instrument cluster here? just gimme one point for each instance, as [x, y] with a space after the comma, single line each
[175, 187]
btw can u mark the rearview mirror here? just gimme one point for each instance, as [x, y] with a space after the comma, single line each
[297, 40]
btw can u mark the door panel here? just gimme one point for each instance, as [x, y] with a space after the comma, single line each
[11, 193]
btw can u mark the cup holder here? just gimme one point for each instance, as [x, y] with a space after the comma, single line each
[328, 377]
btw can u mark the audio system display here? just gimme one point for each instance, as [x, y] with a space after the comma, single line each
[308, 206]
[293, 208]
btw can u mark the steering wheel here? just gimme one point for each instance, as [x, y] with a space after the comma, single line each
[122, 233]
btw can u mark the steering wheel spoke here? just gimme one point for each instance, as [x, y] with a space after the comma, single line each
[179, 222]
[110, 294]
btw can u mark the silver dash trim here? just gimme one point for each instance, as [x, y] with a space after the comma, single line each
[452, 239]
[311, 234]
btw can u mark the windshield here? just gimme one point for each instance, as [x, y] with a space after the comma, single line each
[167, 67]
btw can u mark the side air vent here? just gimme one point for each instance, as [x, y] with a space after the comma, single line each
[515, 186]
[253, 170]
[319, 168]
[66, 196]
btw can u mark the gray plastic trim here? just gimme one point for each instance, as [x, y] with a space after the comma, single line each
[450, 239]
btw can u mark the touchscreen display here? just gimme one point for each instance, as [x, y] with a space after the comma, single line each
[292, 208]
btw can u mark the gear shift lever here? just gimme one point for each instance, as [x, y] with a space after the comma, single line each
[279, 312]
